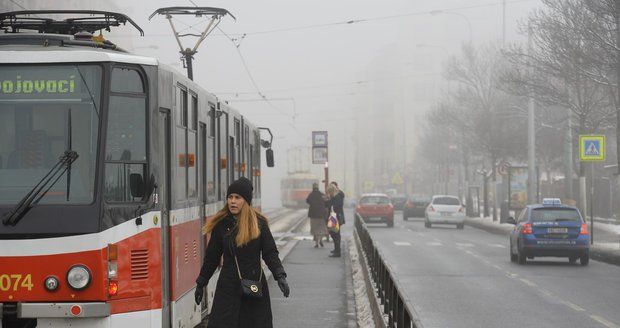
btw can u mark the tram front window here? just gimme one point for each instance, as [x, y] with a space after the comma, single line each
[44, 111]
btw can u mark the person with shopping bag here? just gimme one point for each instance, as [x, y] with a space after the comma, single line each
[333, 224]
[241, 235]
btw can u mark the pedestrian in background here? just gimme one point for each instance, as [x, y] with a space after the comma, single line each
[334, 202]
[316, 213]
[240, 234]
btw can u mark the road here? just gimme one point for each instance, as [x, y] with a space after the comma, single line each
[464, 278]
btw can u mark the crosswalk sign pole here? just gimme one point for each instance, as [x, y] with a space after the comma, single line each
[591, 203]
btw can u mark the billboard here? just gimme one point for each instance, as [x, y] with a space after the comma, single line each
[517, 186]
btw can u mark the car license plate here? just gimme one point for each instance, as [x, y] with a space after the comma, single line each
[376, 219]
[446, 213]
[557, 230]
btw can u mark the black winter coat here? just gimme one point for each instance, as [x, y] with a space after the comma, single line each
[317, 208]
[337, 204]
[230, 308]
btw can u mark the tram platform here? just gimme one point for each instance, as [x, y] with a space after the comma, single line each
[321, 288]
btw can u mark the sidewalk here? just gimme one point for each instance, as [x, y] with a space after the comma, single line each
[608, 252]
[321, 290]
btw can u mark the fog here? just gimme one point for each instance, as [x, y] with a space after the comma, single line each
[368, 82]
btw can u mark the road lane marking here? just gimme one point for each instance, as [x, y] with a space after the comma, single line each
[546, 292]
[402, 243]
[497, 267]
[464, 245]
[469, 252]
[527, 282]
[437, 239]
[497, 245]
[573, 306]
[511, 275]
[604, 322]
[434, 243]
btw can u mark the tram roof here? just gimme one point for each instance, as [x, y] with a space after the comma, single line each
[38, 53]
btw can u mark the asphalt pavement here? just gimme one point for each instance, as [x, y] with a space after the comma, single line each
[464, 278]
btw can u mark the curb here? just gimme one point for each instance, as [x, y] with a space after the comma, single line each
[375, 303]
[602, 255]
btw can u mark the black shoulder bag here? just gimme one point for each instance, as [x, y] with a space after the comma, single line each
[251, 288]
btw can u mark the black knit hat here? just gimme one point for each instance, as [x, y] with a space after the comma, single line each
[242, 187]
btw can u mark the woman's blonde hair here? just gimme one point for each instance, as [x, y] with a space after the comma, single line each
[247, 223]
[332, 190]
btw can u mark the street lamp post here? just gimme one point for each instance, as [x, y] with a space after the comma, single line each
[438, 12]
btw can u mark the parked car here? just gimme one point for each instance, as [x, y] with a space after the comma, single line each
[398, 201]
[445, 210]
[549, 229]
[376, 208]
[415, 207]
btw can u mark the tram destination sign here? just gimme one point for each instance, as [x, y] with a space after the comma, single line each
[36, 82]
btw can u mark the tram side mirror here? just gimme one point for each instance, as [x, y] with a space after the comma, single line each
[136, 184]
[511, 220]
[269, 156]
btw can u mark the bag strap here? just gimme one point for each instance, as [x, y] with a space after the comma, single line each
[239, 271]
[233, 250]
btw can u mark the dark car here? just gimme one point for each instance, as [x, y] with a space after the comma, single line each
[398, 201]
[415, 207]
[549, 229]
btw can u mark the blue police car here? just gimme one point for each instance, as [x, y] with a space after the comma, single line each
[549, 229]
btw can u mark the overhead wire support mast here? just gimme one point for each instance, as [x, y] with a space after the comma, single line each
[188, 53]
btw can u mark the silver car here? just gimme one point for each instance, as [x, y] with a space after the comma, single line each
[445, 210]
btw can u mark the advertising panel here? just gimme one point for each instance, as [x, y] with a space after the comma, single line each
[518, 180]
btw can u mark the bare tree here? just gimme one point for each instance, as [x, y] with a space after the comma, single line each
[552, 69]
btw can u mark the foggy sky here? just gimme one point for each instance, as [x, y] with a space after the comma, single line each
[318, 66]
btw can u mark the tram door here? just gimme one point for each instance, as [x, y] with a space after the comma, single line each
[203, 191]
[166, 205]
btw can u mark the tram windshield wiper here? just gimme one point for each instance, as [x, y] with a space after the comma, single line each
[40, 189]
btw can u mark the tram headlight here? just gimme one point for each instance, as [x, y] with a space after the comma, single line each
[51, 283]
[78, 277]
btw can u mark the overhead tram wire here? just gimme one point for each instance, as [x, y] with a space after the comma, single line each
[324, 85]
[17, 4]
[348, 22]
[247, 70]
[378, 18]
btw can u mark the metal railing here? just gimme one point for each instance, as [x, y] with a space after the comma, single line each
[396, 306]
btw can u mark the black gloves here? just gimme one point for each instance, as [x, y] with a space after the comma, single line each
[284, 286]
[198, 294]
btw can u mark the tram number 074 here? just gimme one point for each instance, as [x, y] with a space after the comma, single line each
[15, 281]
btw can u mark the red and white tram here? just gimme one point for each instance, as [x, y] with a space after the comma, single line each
[110, 163]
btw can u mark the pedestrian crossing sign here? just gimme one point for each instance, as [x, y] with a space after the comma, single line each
[592, 148]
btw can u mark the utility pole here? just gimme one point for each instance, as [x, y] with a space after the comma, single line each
[617, 20]
[503, 22]
[568, 158]
[531, 142]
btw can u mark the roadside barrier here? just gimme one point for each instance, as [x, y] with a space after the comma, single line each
[396, 306]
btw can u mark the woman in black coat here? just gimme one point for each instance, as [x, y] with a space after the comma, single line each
[238, 230]
[316, 213]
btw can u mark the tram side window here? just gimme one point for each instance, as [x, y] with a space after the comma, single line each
[212, 160]
[125, 156]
